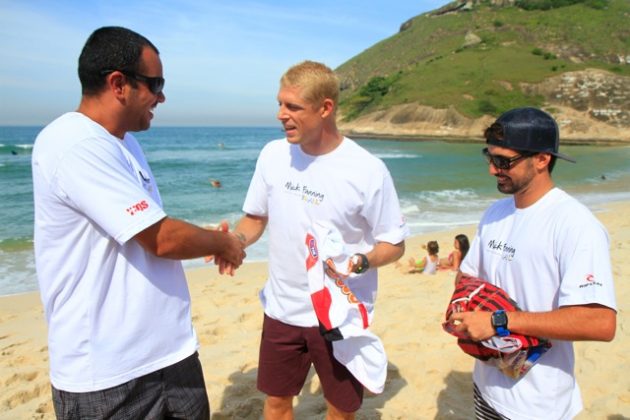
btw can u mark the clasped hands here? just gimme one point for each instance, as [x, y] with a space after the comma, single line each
[233, 251]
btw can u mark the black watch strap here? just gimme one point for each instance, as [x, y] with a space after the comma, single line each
[499, 322]
[363, 263]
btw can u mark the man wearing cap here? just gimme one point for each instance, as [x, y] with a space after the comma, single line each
[550, 254]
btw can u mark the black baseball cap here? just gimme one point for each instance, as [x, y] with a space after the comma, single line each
[528, 130]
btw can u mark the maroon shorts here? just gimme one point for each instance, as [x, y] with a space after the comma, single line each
[286, 354]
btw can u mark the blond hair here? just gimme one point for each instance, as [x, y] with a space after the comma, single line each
[316, 80]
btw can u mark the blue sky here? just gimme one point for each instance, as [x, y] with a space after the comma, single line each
[222, 59]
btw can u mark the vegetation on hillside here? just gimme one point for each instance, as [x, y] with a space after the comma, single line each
[556, 4]
[475, 60]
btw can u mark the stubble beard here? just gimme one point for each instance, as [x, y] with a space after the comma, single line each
[514, 187]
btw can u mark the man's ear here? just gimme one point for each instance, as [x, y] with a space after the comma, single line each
[328, 107]
[542, 160]
[116, 83]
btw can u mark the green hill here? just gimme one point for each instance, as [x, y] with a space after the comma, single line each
[483, 57]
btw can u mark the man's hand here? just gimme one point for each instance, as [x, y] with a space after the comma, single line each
[476, 325]
[232, 255]
[223, 227]
[222, 259]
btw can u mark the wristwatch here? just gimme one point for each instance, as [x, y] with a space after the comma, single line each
[499, 321]
[361, 263]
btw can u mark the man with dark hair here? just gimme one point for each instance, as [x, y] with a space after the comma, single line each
[106, 49]
[121, 339]
[550, 254]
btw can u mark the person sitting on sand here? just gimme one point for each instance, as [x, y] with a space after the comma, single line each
[454, 259]
[427, 264]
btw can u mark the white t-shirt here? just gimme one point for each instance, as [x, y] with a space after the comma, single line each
[553, 253]
[347, 188]
[115, 312]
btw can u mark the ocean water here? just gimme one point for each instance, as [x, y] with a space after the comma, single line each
[440, 185]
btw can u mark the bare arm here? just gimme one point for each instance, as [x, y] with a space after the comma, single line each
[176, 239]
[383, 253]
[250, 228]
[457, 260]
[582, 322]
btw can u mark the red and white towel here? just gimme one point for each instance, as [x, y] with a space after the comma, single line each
[343, 319]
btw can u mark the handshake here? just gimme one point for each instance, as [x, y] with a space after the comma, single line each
[232, 250]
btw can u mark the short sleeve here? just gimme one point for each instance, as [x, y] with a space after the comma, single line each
[383, 209]
[97, 179]
[585, 268]
[256, 200]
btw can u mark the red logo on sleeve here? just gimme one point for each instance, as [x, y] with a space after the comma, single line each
[140, 206]
[590, 281]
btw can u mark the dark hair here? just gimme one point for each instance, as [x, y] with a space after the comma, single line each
[495, 131]
[464, 245]
[109, 48]
[433, 247]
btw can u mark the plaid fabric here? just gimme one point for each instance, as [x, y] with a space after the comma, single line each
[517, 352]
[177, 391]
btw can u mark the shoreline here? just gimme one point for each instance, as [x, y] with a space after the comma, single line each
[427, 372]
[474, 140]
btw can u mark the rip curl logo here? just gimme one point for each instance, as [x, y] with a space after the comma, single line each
[506, 251]
[590, 281]
[305, 193]
[140, 206]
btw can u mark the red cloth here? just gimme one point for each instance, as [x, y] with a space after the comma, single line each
[517, 352]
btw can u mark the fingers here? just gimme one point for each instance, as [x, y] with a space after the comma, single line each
[355, 263]
[331, 272]
[232, 255]
[223, 226]
[476, 325]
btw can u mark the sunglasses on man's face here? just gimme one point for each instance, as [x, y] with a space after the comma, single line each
[155, 84]
[502, 162]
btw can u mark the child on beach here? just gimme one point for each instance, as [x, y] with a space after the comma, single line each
[455, 258]
[427, 264]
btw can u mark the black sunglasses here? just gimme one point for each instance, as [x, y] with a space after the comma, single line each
[155, 84]
[502, 162]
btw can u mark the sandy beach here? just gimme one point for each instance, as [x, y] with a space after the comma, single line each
[429, 377]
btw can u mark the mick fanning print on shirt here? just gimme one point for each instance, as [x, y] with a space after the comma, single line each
[304, 192]
[500, 247]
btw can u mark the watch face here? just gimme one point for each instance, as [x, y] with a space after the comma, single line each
[499, 319]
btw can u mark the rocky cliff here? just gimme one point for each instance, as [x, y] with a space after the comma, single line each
[590, 106]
